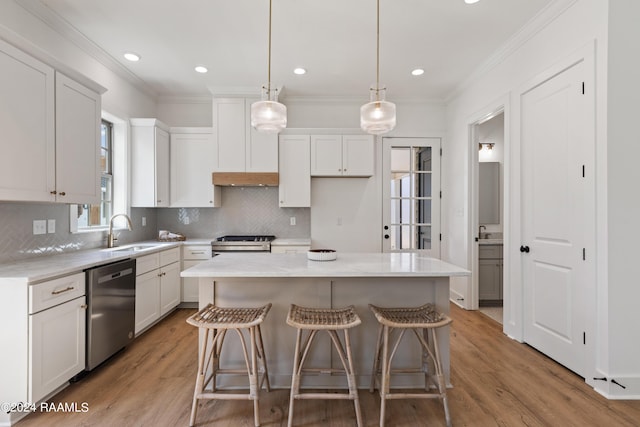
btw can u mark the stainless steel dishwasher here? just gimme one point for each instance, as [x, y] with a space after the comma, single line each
[111, 301]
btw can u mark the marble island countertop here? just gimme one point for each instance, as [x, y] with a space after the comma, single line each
[230, 265]
[47, 267]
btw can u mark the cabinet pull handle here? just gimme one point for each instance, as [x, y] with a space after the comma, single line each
[69, 288]
[197, 252]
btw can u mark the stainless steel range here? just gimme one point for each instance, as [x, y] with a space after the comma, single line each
[242, 243]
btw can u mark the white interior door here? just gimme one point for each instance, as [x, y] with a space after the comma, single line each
[411, 195]
[556, 142]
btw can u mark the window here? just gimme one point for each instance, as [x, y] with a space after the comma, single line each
[90, 216]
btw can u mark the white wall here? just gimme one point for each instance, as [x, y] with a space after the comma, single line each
[584, 23]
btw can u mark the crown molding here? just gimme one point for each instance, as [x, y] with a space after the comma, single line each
[349, 99]
[535, 25]
[184, 99]
[69, 32]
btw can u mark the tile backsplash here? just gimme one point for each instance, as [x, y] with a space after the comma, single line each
[18, 241]
[244, 210]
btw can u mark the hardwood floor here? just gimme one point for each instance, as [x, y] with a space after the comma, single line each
[497, 382]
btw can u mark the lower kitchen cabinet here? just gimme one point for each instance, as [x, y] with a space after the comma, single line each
[57, 339]
[157, 286]
[289, 249]
[192, 255]
[490, 272]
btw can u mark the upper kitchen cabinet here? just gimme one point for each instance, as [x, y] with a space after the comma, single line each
[295, 177]
[78, 112]
[240, 148]
[150, 163]
[51, 139]
[192, 159]
[342, 155]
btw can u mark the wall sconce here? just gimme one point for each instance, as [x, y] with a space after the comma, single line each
[486, 145]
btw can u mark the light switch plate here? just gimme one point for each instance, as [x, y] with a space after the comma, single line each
[51, 226]
[39, 226]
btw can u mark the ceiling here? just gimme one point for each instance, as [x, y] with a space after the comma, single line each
[335, 40]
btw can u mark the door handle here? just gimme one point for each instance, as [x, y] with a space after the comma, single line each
[524, 249]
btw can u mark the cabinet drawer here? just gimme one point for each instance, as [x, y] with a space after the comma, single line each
[147, 263]
[54, 292]
[289, 249]
[169, 256]
[490, 252]
[196, 252]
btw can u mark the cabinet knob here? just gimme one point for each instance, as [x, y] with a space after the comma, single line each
[84, 306]
[386, 236]
[53, 192]
[159, 201]
[62, 193]
[524, 249]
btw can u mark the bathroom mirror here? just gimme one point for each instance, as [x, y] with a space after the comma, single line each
[489, 193]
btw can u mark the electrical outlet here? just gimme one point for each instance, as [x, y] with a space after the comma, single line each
[292, 220]
[51, 226]
[39, 226]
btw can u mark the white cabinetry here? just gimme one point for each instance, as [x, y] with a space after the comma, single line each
[78, 112]
[490, 272]
[157, 286]
[150, 163]
[295, 174]
[240, 148]
[57, 319]
[192, 255]
[50, 133]
[342, 155]
[192, 161]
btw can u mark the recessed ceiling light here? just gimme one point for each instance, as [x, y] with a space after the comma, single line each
[133, 57]
[299, 71]
[471, 1]
[201, 69]
[417, 72]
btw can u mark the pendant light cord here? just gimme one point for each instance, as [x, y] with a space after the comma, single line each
[377, 50]
[269, 60]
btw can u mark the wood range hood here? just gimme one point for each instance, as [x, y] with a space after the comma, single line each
[246, 179]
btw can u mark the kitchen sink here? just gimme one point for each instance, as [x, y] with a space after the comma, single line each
[135, 248]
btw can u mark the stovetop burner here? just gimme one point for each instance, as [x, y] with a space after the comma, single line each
[246, 238]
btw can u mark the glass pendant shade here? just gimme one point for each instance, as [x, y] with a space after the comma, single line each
[378, 116]
[268, 115]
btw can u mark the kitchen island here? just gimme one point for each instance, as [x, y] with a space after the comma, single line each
[359, 279]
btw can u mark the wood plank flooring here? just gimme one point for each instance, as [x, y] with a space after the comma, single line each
[497, 382]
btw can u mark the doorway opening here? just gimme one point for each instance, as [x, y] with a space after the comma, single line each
[487, 136]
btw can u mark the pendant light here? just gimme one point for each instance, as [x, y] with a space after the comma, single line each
[378, 116]
[268, 115]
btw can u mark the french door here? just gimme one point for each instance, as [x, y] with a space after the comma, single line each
[411, 195]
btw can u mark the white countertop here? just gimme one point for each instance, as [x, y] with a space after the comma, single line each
[291, 242]
[47, 267]
[229, 265]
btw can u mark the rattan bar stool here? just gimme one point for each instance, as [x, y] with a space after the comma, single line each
[330, 320]
[217, 320]
[420, 320]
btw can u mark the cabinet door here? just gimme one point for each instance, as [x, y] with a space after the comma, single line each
[489, 280]
[169, 287]
[326, 155]
[295, 175]
[358, 155]
[147, 299]
[162, 168]
[261, 148]
[78, 111]
[230, 126]
[27, 164]
[57, 346]
[189, 291]
[192, 162]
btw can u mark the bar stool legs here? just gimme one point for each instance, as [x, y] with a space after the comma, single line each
[216, 321]
[330, 320]
[423, 321]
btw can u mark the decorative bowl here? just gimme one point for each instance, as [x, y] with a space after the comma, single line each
[322, 255]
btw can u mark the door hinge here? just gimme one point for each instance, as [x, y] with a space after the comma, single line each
[583, 88]
[441, 152]
[441, 194]
[583, 171]
[584, 338]
[584, 254]
[440, 236]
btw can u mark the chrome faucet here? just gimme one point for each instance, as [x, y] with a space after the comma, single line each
[480, 231]
[111, 238]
